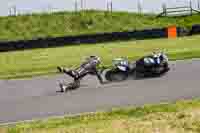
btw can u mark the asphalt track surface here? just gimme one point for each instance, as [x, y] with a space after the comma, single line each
[37, 98]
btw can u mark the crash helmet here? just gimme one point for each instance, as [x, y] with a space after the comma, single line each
[156, 53]
[95, 59]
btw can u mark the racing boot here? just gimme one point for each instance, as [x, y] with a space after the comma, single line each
[60, 69]
[62, 87]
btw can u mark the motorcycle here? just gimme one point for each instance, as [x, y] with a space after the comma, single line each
[143, 67]
[149, 67]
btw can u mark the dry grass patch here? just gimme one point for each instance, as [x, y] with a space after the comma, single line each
[178, 122]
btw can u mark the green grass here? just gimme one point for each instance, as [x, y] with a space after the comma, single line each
[167, 117]
[88, 22]
[28, 63]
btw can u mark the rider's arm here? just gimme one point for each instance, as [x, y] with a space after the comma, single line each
[165, 57]
[98, 75]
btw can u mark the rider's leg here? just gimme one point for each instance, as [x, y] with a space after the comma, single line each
[71, 86]
[74, 85]
[83, 74]
[69, 72]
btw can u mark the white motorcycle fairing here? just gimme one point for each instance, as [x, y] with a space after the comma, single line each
[122, 68]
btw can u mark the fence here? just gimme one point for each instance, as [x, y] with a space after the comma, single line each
[178, 11]
[140, 6]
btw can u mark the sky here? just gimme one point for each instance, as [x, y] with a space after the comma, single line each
[26, 6]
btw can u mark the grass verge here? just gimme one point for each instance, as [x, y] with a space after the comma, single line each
[182, 116]
[20, 64]
[87, 22]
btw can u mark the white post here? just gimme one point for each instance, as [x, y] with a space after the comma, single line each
[81, 4]
[76, 6]
[10, 11]
[190, 7]
[111, 6]
[107, 6]
[139, 7]
[15, 11]
[49, 8]
[164, 9]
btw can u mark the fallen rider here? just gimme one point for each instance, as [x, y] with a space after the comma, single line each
[89, 66]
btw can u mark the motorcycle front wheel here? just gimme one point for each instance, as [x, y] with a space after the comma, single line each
[162, 69]
[116, 76]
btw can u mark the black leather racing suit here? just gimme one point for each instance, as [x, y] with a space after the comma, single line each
[87, 67]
